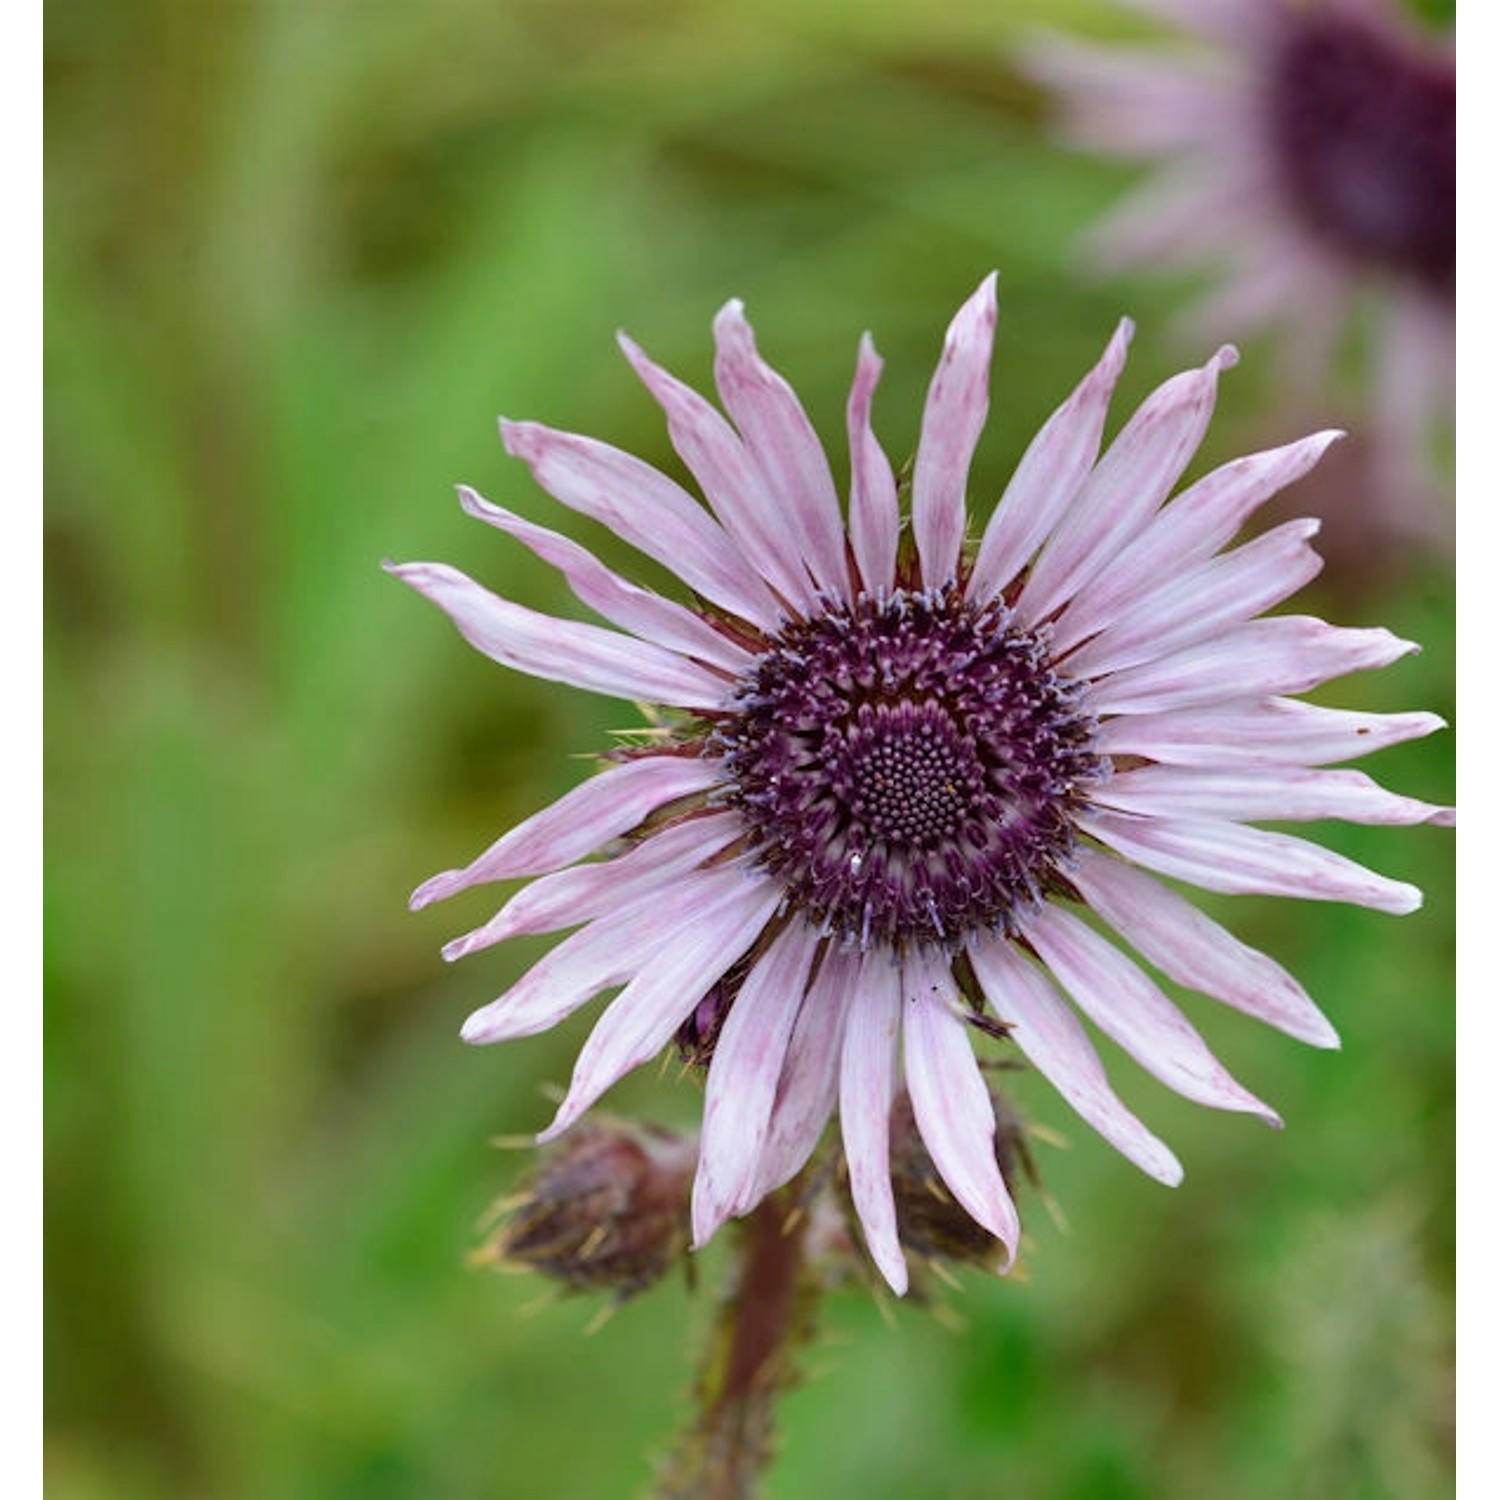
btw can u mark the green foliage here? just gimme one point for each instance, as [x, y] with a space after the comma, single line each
[299, 258]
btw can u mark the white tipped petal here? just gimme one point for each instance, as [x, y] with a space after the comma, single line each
[1118, 997]
[641, 1020]
[1236, 860]
[958, 402]
[1049, 475]
[1188, 531]
[583, 892]
[602, 661]
[748, 1059]
[1196, 951]
[1045, 1028]
[785, 447]
[1131, 481]
[644, 614]
[1281, 731]
[597, 810]
[1201, 603]
[646, 509]
[874, 514]
[867, 1080]
[1283, 654]
[950, 1101]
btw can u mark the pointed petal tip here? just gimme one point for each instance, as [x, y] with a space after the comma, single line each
[432, 890]
[1226, 357]
[517, 438]
[895, 1274]
[474, 1032]
[1444, 817]
[732, 312]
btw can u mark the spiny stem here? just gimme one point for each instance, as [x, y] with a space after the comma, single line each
[765, 1317]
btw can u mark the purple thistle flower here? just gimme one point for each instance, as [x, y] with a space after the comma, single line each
[1307, 153]
[900, 758]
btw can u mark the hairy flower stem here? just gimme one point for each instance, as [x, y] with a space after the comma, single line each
[766, 1315]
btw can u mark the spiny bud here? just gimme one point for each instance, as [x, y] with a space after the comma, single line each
[607, 1209]
[930, 1223]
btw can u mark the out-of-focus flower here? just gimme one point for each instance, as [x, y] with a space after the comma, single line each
[1306, 151]
[903, 767]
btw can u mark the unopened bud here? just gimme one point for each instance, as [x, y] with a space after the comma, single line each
[930, 1223]
[607, 1209]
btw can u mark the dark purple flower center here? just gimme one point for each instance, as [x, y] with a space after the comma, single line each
[1362, 125]
[908, 765]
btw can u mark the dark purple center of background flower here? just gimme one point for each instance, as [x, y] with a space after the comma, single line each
[1363, 130]
[908, 766]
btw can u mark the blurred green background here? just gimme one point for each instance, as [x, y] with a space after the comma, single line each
[300, 256]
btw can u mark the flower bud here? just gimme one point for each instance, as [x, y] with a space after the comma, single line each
[931, 1225]
[607, 1209]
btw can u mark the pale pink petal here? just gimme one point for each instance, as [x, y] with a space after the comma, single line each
[1284, 654]
[1130, 482]
[786, 449]
[1281, 794]
[1237, 860]
[958, 401]
[808, 1090]
[1191, 210]
[874, 514]
[1115, 994]
[595, 811]
[950, 1101]
[1187, 531]
[1281, 731]
[731, 481]
[615, 948]
[1194, 950]
[1128, 102]
[867, 1082]
[1200, 602]
[602, 661]
[1049, 475]
[642, 1019]
[1045, 1028]
[748, 1059]
[647, 510]
[660, 621]
[583, 892]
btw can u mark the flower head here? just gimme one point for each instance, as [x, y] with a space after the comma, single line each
[903, 766]
[1306, 150]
